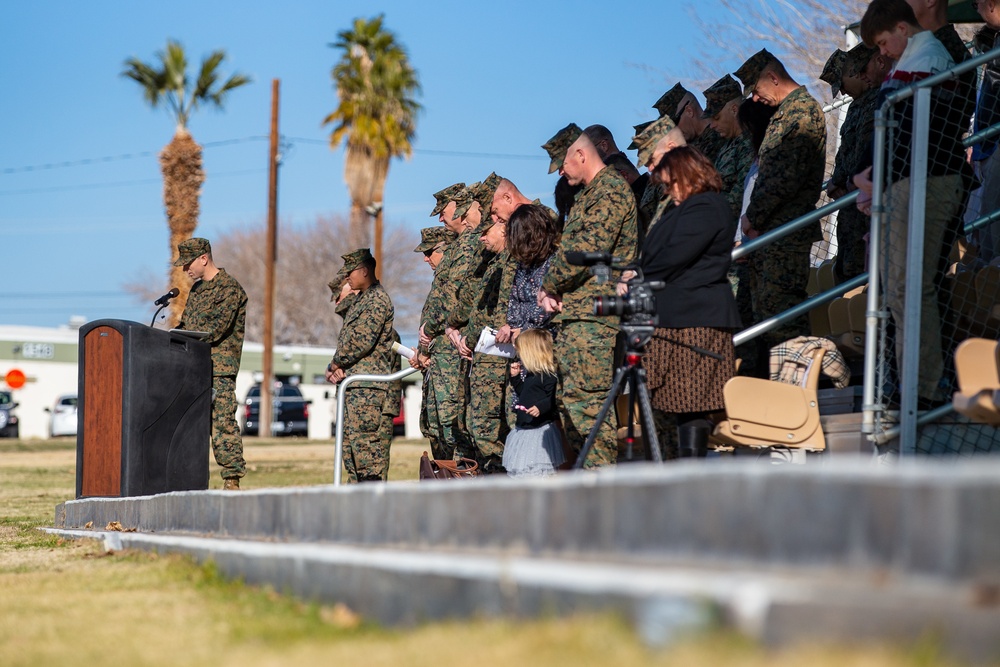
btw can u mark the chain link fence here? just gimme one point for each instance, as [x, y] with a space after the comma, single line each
[934, 256]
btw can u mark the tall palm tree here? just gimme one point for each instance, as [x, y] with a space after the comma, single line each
[167, 82]
[376, 115]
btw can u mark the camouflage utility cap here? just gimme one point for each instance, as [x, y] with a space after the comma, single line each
[833, 71]
[192, 249]
[670, 100]
[857, 59]
[486, 225]
[430, 237]
[353, 260]
[337, 283]
[445, 196]
[749, 72]
[557, 146]
[483, 193]
[719, 94]
[464, 199]
[638, 130]
[647, 139]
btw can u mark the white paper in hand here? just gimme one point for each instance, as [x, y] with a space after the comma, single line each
[488, 345]
[402, 350]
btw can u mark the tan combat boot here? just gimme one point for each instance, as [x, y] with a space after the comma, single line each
[231, 484]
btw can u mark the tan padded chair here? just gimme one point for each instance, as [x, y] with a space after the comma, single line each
[819, 317]
[764, 413]
[840, 317]
[977, 363]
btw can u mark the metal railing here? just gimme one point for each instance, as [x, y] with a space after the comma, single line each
[338, 459]
[798, 223]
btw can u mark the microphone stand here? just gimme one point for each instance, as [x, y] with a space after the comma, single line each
[153, 321]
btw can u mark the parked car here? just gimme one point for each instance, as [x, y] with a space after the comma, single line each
[63, 416]
[9, 427]
[290, 410]
[399, 422]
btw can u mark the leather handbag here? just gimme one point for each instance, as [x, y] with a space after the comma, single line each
[447, 469]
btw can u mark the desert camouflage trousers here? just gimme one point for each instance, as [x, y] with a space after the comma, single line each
[227, 444]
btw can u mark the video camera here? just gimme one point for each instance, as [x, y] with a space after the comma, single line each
[637, 309]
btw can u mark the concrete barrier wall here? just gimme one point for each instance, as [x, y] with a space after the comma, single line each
[928, 518]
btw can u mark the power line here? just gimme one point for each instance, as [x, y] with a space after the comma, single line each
[431, 151]
[117, 184]
[116, 158]
[47, 295]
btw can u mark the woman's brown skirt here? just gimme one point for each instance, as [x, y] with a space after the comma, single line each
[682, 380]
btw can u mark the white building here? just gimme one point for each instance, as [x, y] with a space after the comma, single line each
[49, 358]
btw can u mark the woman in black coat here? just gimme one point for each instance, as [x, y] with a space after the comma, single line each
[689, 248]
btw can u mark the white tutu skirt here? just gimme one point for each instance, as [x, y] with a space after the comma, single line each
[533, 452]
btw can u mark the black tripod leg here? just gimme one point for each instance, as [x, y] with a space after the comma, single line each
[601, 415]
[648, 426]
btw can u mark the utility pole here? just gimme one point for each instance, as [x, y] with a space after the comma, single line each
[378, 240]
[270, 258]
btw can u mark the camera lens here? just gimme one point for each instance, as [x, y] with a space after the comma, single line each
[608, 305]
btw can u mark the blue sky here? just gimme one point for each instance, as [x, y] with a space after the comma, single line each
[498, 80]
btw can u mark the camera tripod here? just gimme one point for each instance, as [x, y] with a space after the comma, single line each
[630, 374]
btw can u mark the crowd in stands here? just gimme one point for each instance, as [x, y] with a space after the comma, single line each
[516, 363]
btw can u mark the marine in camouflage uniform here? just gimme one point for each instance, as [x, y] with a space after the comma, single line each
[854, 152]
[217, 304]
[487, 308]
[603, 219]
[791, 168]
[674, 104]
[722, 101]
[733, 163]
[436, 425]
[463, 264]
[654, 198]
[365, 348]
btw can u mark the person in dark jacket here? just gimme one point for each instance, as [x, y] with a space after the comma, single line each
[534, 448]
[689, 249]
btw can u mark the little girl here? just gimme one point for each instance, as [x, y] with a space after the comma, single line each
[534, 447]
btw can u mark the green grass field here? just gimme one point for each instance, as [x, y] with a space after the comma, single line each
[70, 603]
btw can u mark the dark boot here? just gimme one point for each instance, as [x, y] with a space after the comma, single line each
[693, 439]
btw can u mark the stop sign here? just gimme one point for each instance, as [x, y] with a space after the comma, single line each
[15, 378]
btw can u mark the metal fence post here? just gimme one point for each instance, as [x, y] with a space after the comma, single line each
[915, 226]
[869, 407]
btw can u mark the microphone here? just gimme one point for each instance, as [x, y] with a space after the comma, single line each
[578, 258]
[162, 301]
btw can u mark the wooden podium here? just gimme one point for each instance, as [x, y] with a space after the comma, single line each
[145, 406]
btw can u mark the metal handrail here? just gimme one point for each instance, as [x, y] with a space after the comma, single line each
[801, 309]
[836, 205]
[825, 297]
[338, 458]
[941, 77]
[798, 223]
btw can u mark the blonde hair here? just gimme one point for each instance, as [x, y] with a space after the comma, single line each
[534, 347]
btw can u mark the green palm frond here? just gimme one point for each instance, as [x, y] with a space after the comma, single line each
[168, 81]
[376, 88]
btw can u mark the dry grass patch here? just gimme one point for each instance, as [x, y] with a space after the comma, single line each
[65, 602]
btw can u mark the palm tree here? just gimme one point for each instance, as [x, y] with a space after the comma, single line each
[167, 82]
[376, 115]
